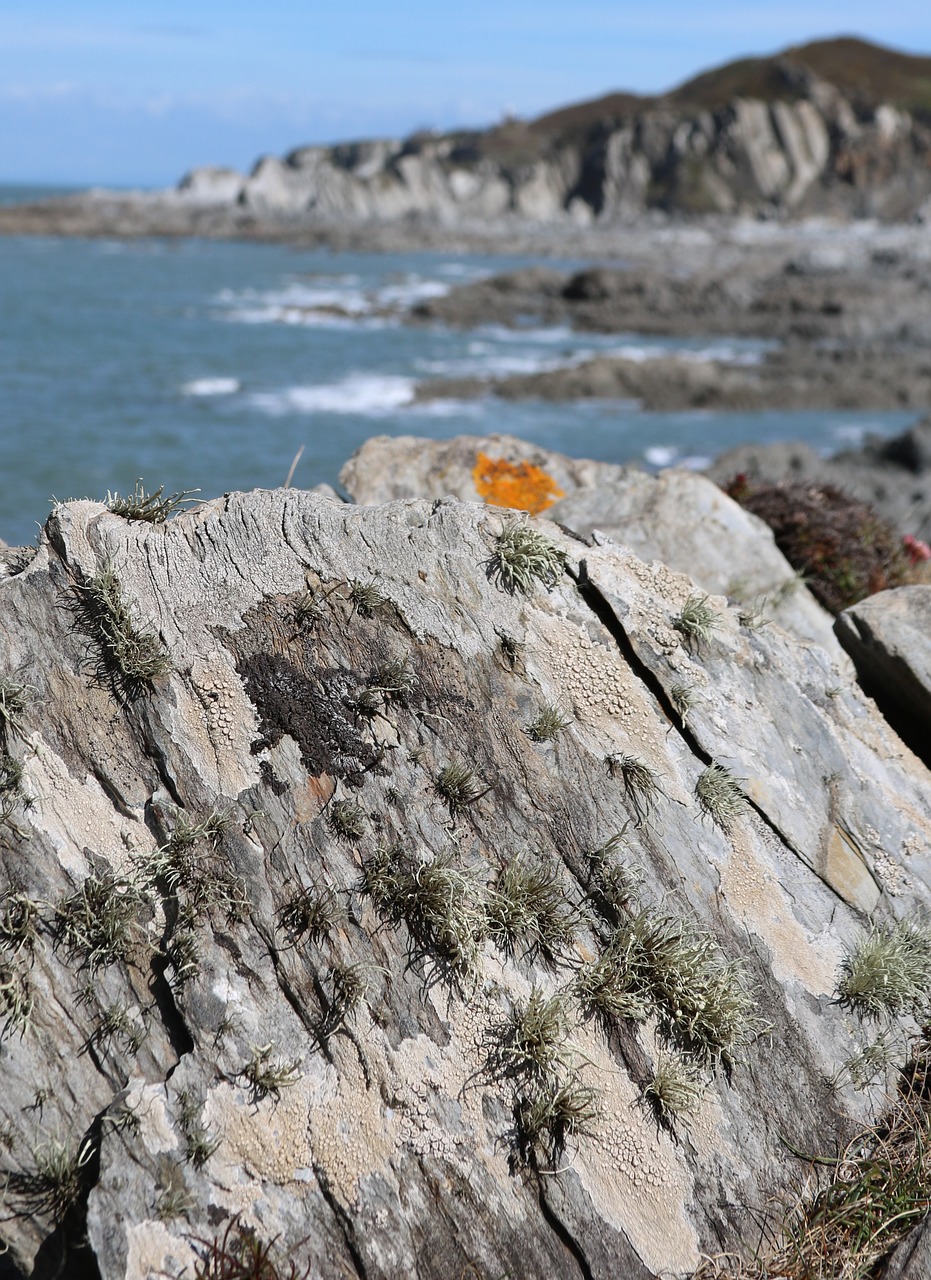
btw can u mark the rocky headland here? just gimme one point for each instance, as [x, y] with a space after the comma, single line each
[413, 887]
[838, 128]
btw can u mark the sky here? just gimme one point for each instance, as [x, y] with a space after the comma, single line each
[134, 92]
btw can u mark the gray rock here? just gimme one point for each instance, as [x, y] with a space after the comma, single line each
[911, 1260]
[341, 1089]
[678, 517]
[888, 636]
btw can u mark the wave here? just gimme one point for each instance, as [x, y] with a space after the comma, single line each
[369, 394]
[330, 302]
[211, 387]
[669, 455]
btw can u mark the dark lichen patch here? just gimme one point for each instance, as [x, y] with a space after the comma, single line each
[271, 779]
[314, 709]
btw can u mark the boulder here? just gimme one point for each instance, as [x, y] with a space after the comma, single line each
[677, 517]
[888, 636]
[319, 825]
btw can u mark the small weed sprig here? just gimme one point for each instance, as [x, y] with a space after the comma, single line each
[200, 1144]
[311, 913]
[523, 557]
[17, 1002]
[11, 789]
[548, 724]
[553, 1111]
[440, 904]
[174, 1200]
[131, 658]
[20, 917]
[308, 610]
[57, 1181]
[704, 1003]
[862, 1067]
[684, 699]
[697, 620]
[239, 1254]
[346, 820]
[531, 1043]
[392, 681]
[365, 598]
[117, 1023]
[151, 507]
[610, 990]
[98, 922]
[459, 785]
[349, 989]
[889, 972]
[613, 885]
[191, 865]
[641, 783]
[267, 1074]
[674, 1089]
[719, 794]
[528, 905]
[15, 697]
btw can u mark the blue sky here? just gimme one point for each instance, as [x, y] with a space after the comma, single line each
[134, 91]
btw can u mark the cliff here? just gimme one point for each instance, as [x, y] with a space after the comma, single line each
[428, 890]
[834, 127]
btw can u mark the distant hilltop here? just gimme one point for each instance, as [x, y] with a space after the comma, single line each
[835, 127]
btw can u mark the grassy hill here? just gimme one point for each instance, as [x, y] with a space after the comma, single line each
[866, 72]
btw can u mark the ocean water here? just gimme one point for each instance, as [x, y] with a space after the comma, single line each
[205, 365]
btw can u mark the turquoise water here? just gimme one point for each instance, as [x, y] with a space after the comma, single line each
[208, 365]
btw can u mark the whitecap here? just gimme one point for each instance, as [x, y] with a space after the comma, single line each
[372, 395]
[211, 387]
[661, 455]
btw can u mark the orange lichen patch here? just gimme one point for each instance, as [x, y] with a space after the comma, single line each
[520, 485]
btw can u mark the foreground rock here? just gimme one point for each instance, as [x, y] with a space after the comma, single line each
[224, 722]
[678, 517]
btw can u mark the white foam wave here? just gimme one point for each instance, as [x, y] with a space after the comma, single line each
[405, 293]
[661, 455]
[492, 365]
[372, 395]
[211, 387]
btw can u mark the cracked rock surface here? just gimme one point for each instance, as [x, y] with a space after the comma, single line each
[349, 694]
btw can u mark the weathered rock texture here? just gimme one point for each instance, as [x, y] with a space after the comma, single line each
[342, 1089]
[677, 517]
[888, 636]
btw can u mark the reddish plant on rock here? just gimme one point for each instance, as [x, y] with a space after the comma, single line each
[842, 546]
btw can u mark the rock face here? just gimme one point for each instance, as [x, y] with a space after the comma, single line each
[677, 517]
[838, 128]
[888, 636]
[804, 144]
[307, 903]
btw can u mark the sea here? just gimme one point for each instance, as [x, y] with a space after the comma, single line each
[208, 366]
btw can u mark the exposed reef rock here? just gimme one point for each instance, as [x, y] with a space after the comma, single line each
[366, 868]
